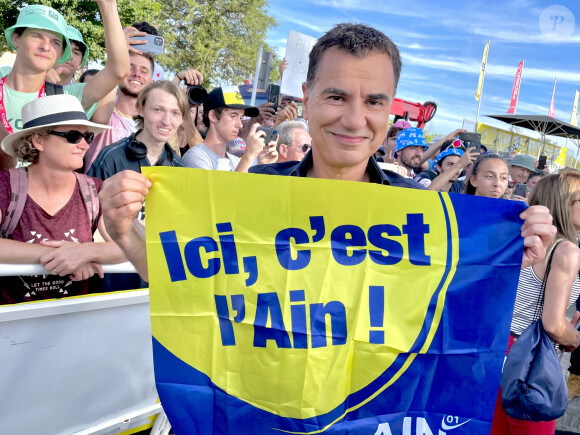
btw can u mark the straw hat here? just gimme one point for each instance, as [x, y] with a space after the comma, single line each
[53, 110]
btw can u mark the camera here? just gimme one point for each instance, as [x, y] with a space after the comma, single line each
[158, 41]
[196, 95]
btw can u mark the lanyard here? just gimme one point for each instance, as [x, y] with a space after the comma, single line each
[3, 115]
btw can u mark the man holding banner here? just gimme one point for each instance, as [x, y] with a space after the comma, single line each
[352, 77]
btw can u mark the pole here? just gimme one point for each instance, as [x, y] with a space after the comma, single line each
[480, 88]
[477, 114]
[255, 83]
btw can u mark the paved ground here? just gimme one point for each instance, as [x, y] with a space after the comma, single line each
[570, 422]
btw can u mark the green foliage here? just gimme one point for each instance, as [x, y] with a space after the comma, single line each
[220, 38]
[84, 15]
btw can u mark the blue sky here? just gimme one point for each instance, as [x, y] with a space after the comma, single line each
[442, 46]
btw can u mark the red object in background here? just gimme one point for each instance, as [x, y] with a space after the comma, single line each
[421, 113]
[516, 88]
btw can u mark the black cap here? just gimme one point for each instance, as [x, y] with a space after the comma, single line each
[228, 96]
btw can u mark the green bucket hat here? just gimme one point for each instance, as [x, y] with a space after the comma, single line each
[74, 35]
[43, 18]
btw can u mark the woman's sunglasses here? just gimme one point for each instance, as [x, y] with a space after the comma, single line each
[74, 136]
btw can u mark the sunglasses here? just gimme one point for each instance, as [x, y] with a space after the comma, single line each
[304, 147]
[511, 185]
[74, 136]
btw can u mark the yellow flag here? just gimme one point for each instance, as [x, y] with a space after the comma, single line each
[574, 117]
[561, 159]
[482, 73]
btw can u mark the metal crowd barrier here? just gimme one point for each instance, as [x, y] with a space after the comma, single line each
[37, 269]
[80, 365]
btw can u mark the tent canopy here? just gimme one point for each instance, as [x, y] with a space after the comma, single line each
[545, 125]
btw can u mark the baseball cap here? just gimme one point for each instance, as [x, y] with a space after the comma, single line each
[74, 35]
[411, 137]
[43, 18]
[228, 96]
[402, 124]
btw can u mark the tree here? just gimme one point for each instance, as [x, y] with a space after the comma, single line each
[84, 15]
[220, 38]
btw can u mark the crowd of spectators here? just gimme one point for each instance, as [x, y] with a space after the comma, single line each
[117, 119]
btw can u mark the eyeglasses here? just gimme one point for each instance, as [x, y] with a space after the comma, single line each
[74, 136]
[304, 147]
[511, 185]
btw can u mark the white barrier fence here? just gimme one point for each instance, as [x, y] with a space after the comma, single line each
[79, 365]
[37, 269]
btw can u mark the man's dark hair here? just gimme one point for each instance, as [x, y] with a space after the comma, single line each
[147, 56]
[357, 39]
[80, 46]
[89, 72]
[218, 114]
[144, 26]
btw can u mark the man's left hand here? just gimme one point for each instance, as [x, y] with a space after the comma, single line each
[192, 77]
[453, 135]
[269, 153]
[538, 233]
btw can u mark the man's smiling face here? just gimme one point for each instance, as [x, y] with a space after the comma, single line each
[140, 76]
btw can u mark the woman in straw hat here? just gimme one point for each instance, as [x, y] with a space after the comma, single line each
[60, 211]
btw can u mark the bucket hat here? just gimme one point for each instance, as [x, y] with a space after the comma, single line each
[411, 137]
[43, 18]
[53, 110]
[524, 161]
[74, 35]
[448, 152]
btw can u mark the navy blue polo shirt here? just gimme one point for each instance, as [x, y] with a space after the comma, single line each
[300, 169]
[115, 158]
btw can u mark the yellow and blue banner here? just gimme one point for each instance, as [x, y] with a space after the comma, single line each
[290, 305]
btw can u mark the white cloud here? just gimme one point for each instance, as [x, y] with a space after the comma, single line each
[472, 66]
[518, 21]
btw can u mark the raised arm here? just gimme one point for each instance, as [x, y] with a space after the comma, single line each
[436, 147]
[117, 65]
[121, 200]
[442, 180]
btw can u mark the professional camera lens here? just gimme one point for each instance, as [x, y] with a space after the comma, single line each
[196, 95]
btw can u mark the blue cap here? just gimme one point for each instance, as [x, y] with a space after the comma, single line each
[411, 137]
[448, 152]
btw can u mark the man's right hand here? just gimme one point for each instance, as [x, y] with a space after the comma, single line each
[130, 32]
[266, 113]
[255, 142]
[469, 156]
[288, 113]
[53, 75]
[121, 200]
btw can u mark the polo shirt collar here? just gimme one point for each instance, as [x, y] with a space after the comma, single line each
[376, 174]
